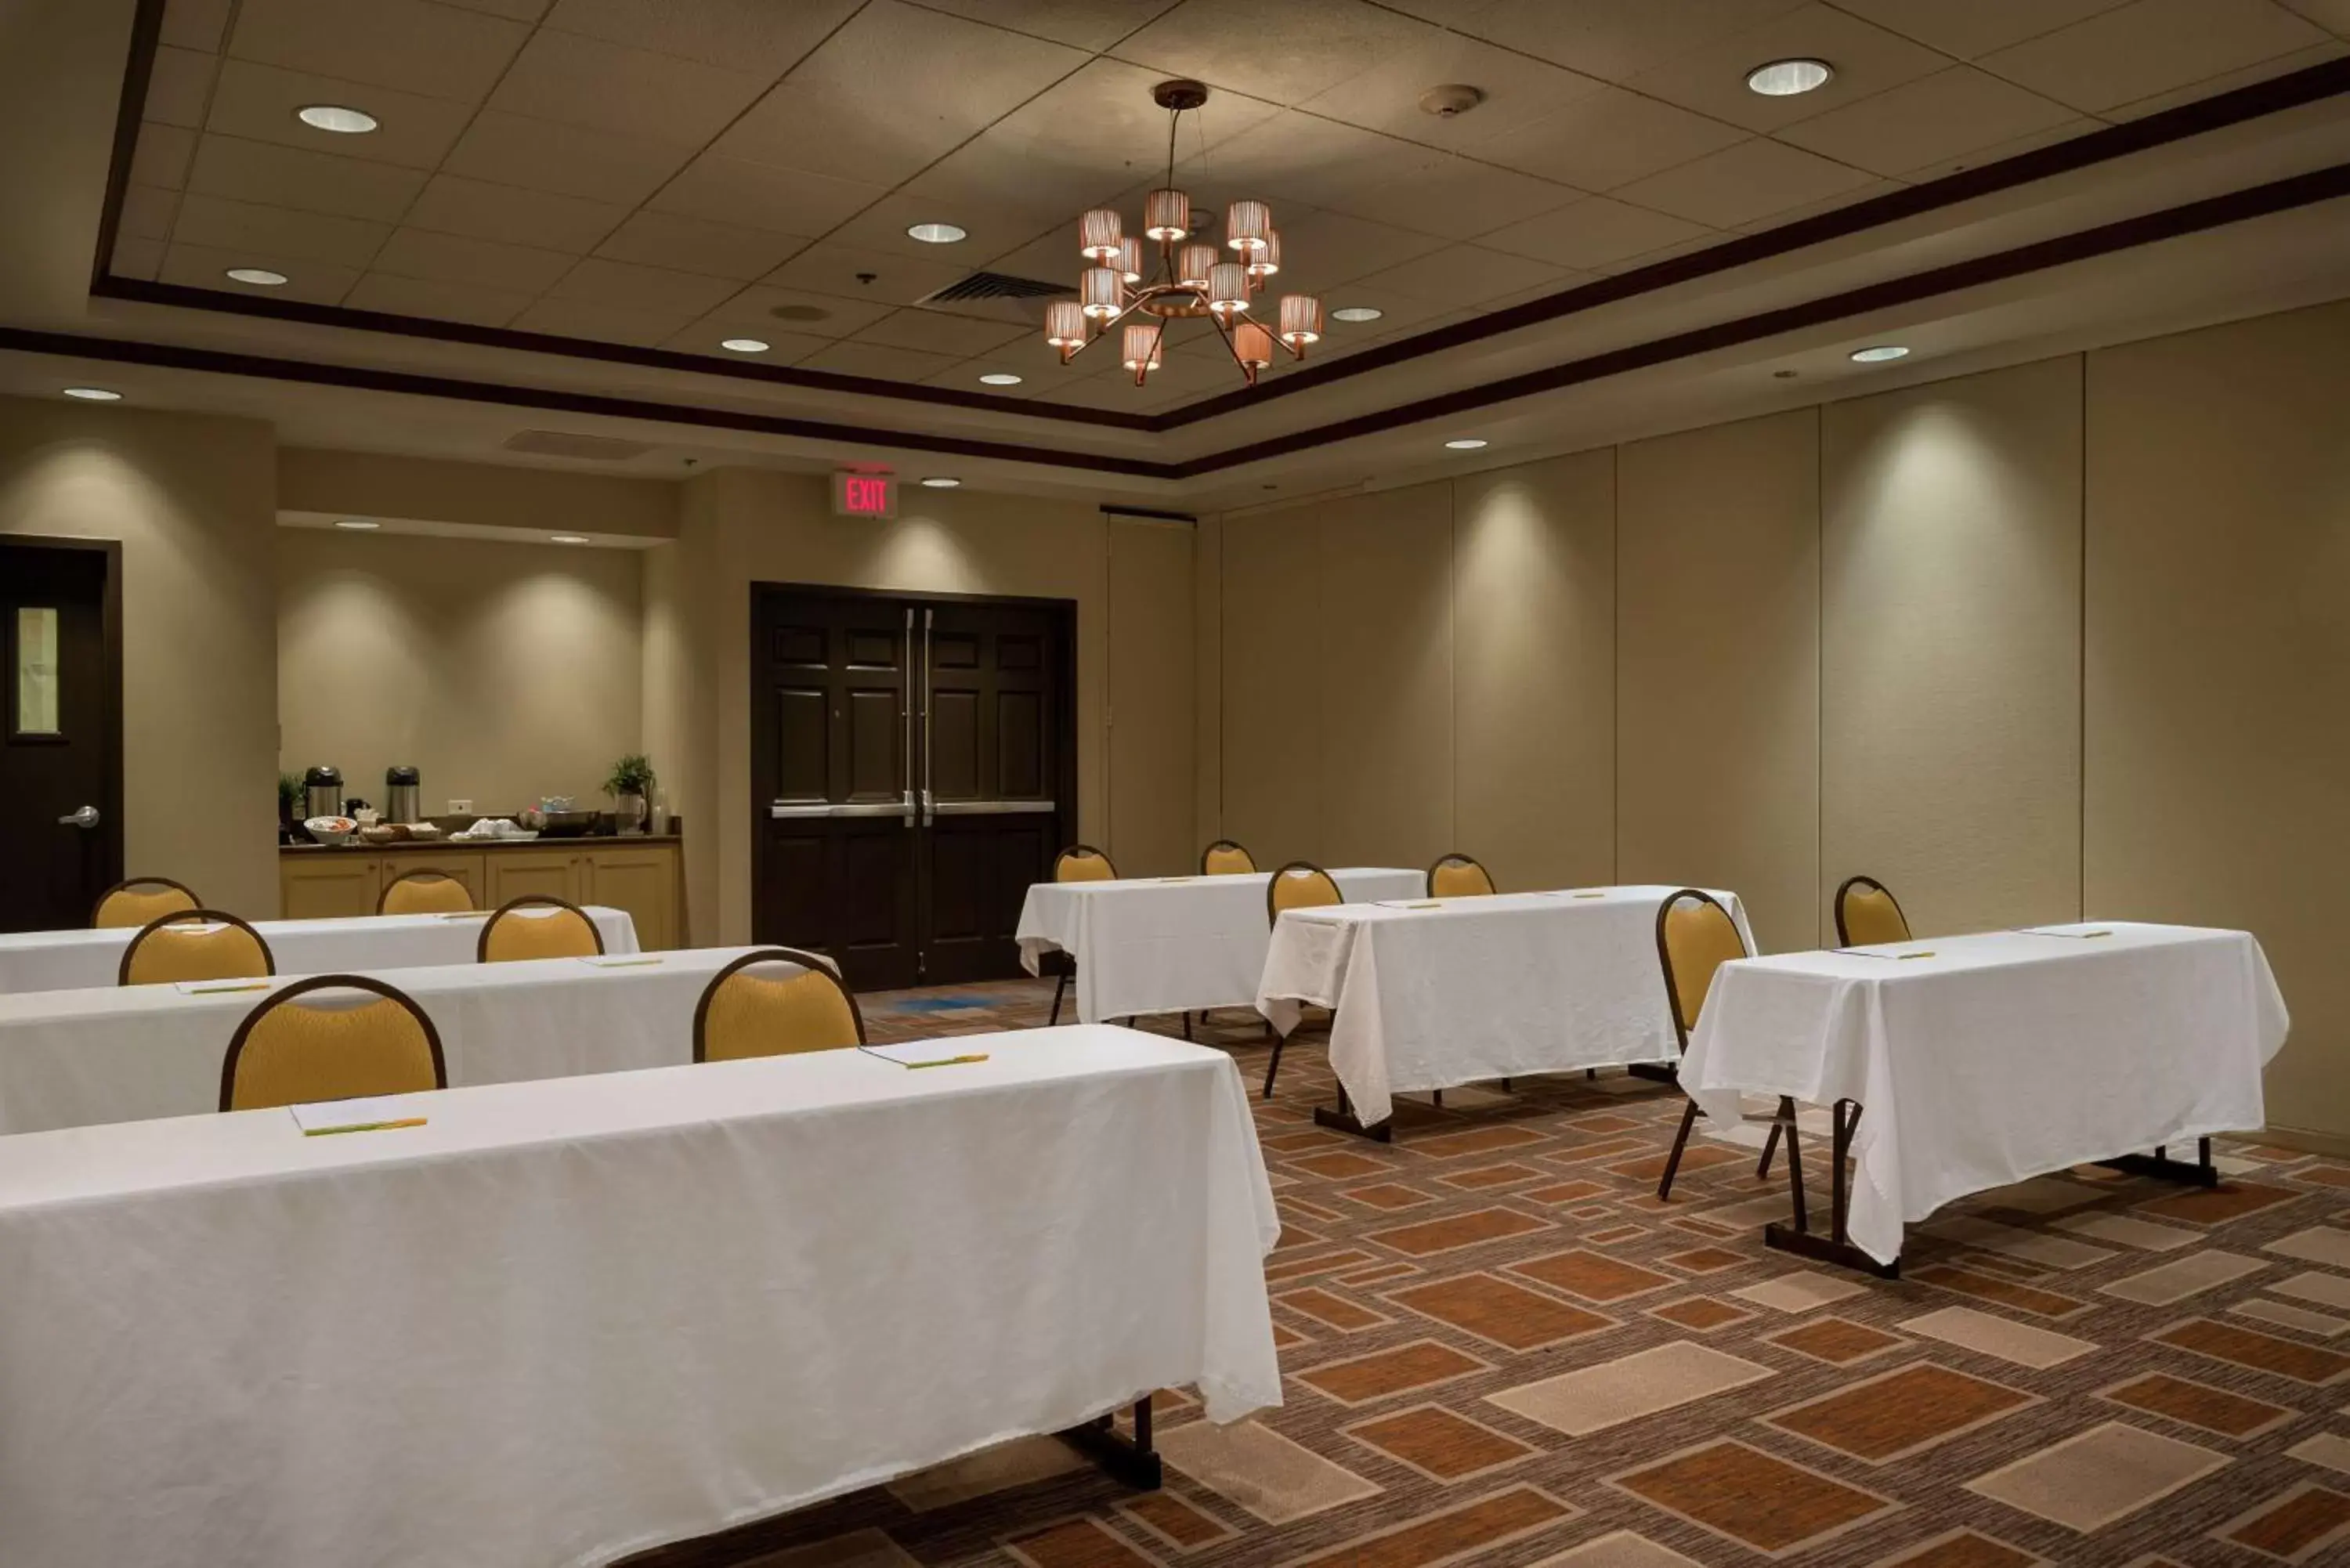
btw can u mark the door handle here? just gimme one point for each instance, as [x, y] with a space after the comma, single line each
[85, 817]
[927, 815]
[906, 712]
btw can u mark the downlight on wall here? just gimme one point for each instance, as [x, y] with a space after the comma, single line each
[93, 394]
[1465, 443]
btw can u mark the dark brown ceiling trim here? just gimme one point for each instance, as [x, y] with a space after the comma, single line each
[146, 33]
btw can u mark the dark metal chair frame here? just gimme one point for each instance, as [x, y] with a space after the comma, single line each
[806, 960]
[1866, 884]
[178, 917]
[1061, 987]
[130, 882]
[482, 942]
[330, 982]
[417, 875]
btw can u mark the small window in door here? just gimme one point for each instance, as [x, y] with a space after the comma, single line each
[36, 671]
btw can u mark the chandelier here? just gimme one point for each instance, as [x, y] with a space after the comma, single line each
[1193, 280]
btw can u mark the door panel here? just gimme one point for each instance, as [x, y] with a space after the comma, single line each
[60, 715]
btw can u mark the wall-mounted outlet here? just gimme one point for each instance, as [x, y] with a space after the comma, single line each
[456, 806]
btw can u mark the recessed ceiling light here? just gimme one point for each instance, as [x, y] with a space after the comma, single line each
[357, 524]
[1879, 354]
[1465, 443]
[938, 233]
[1785, 78]
[334, 116]
[1001, 378]
[1357, 313]
[260, 275]
[568, 538]
[940, 482]
[744, 344]
[94, 394]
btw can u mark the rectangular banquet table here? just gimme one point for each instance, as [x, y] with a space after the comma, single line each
[1169, 944]
[1978, 1061]
[570, 1319]
[75, 1058]
[77, 960]
[1428, 994]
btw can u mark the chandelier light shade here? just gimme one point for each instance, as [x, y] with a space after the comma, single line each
[1102, 292]
[1142, 346]
[1301, 319]
[1192, 265]
[1098, 233]
[1253, 344]
[1227, 291]
[1265, 262]
[1065, 324]
[1167, 214]
[1246, 227]
[1130, 259]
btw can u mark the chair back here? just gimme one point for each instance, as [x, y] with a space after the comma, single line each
[560, 930]
[194, 944]
[1695, 937]
[1300, 885]
[291, 1052]
[142, 900]
[1867, 913]
[1083, 863]
[1225, 859]
[744, 1013]
[1459, 877]
[424, 891]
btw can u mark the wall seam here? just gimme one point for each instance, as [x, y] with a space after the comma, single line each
[1452, 651]
[1616, 662]
[2081, 636]
[1819, 665]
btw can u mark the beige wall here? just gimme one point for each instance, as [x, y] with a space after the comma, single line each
[481, 494]
[1152, 678]
[503, 671]
[192, 499]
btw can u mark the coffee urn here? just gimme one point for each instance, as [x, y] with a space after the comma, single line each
[322, 793]
[401, 788]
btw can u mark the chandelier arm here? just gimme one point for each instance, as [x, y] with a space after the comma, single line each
[1231, 347]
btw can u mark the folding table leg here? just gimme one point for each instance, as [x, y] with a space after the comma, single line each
[1278, 1042]
[1344, 1120]
[1129, 1460]
[1673, 1160]
[1794, 1159]
[1770, 1147]
[1836, 1246]
[1059, 987]
[1186, 1026]
[2162, 1167]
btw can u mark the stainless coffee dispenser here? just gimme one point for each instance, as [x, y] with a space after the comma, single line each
[400, 789]
[322, 793]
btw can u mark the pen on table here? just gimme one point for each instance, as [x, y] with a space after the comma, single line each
[950, 1061]
[230, 989]
[364, 1126]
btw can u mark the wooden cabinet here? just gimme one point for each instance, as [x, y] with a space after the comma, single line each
[327, 884]
[643, 881]
[466, 869]
[511, 873]
[643, 876]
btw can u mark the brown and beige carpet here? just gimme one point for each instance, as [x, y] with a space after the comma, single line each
[1499, 1349]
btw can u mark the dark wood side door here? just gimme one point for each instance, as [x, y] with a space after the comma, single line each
[60, 731]
[912, 773]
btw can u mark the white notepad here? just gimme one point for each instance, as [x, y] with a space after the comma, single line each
[619, 961]
[378, 1114]
[923, 1053]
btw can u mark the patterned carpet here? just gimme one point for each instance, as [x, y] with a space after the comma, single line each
[1499, 1349]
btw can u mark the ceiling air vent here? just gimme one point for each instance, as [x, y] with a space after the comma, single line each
[559, 443]
[997, 286]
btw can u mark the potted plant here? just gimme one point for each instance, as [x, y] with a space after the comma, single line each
[289, 808]
[630, 783]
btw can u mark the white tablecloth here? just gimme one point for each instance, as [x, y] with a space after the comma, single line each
[2002, 1056]
[1172, 944]
[74, 1058]
[76, 960]
[1479, 988]
[569, 1319]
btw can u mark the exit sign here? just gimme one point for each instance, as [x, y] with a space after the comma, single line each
[865, 494]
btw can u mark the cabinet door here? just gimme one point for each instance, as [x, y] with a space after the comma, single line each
[328, 883]
[466, 869]
[511, 873]
[644, 883]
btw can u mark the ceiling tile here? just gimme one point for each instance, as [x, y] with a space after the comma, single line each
[936, 332]
[762, 196]
[1081, 24]
[1443, 194]
[201, 266]
[440, 301]
[1978, 27]
[992, 230]
[1615, 39]
[1861, 192]
[1112, 389]
[1742, 183]
[514, 10]
[863, 274]
[258, 102]
[452, 204]
[1466, 275]
[2151, 47]
[568, 160]
[2334, 16]
[892, 90]
[1609, 139]
[2332, 49]
[223, 224]
[756, 35]
[1320, 247]
[1592, 233]
[1868, 60]
[876, 361]
[1397, 312]
[162, 154]
[693, 245]
[1291, 154]
[634, 287]
[783, 347]
[1518, 91]
[600, 323]
[752, 314]
[435, 257]
[294, 177]
[135, 255]
[576, 80]
[195, 24]
[1027, 355]
[180, 87]
[2078, 126]
[413, 45]
[1286, 53]
[1929, 122]
[148, 211]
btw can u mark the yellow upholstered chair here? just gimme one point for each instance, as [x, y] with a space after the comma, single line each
[1077, 863]
[1695, 937]
[142, 900]
[424, 891]
[292, 1051]
[194, 944]
[1459, 877]
[745, 1013]
[563, 931]
[1867, 913]
[1225, 859]
[1300, 885]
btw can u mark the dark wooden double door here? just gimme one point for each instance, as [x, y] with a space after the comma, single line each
[912, 773]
